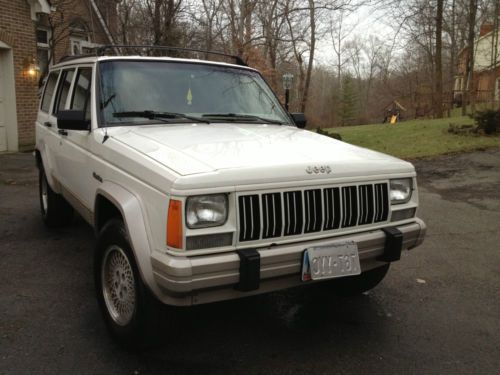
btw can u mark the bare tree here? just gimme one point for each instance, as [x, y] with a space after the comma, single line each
[469, 92]
[163, 15]
[494, 49]
[438, 96]
[339, 32]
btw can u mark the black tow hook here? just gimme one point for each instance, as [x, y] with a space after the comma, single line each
[393, 245]
[249, 270]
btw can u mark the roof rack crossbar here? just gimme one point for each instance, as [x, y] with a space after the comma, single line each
[74, 57]
[102, 49]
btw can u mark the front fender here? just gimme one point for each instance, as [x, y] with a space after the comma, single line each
[133, 217]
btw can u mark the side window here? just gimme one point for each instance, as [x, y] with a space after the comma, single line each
[49, 91]
[63, 90]
[81, 92]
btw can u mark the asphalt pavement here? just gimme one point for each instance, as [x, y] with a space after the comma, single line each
[437, 311]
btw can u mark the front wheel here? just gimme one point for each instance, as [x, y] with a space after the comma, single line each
[130, 312]
[355, 285]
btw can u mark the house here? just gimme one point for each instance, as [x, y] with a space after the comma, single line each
[486, 68]
[35, 34]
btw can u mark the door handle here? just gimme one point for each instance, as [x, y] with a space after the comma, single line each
[48, 124]
[62, 132]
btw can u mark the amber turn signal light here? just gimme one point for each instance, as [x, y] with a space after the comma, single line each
[174, 224]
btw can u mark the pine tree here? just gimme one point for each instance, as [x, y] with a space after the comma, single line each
[348, 110]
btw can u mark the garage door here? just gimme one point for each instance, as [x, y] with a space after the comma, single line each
[3, 131]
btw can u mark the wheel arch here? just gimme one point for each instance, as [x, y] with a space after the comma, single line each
[112, 199]
[38, 159]
[42, 162]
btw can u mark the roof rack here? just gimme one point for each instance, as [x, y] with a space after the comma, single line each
[74, 57]
[145, 49]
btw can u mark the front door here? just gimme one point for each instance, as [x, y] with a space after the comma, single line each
[73, 156]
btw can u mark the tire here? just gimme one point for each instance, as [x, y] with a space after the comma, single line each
[56, 212]
[355, 285]
[131, 313]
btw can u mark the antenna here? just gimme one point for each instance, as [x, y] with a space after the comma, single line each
[106, 136]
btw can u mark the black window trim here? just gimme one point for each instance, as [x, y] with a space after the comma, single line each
[78, 71]
[58, 73]
[62, 76]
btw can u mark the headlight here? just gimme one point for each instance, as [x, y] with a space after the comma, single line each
[206, 211]
[401, 190]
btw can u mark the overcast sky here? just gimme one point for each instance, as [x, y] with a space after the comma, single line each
[366, 22]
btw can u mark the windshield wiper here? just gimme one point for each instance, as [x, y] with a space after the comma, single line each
[154, 115]
[236, 117]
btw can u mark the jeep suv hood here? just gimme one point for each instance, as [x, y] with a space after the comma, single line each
[190, 149]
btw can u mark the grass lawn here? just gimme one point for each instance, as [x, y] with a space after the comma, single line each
[416, 138]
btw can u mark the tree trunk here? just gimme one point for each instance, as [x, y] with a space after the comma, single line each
[312, 46]
[494, 52]
[453, 52]
[438, 98]
[468, 92]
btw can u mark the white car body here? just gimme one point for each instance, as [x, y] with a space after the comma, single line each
[141, 168]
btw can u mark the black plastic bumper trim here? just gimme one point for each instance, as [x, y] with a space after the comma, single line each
[249, 270]
[393, 245]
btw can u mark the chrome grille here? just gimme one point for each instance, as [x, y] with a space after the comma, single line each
[277, 214]
[271, 215]
[349, 206]
[249, 208]
[366, 202]
[332, 208]
[381, 202]
[293, 212]
[314, 216]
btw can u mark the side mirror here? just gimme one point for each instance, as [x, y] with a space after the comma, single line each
[72, 120]
[299, 119]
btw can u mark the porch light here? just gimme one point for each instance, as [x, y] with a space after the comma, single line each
[31, 69]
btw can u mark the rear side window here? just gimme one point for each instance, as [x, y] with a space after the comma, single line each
[63, 90]
[49, 91]
[81, 93]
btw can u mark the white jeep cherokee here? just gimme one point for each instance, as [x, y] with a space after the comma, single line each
[201, 187]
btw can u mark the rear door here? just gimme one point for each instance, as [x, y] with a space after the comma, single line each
[47, 139]
[61, 95]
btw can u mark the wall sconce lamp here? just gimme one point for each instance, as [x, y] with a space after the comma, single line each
[31, 69]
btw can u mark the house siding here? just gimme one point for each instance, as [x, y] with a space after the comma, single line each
[69, 11]
[18, 31]
[485, 74]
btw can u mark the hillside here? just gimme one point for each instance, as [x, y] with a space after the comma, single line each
[415, 138]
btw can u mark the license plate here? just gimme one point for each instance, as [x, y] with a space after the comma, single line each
[327, 262]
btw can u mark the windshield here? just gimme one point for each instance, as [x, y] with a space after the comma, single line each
[215, 93]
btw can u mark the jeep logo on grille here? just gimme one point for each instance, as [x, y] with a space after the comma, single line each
[318, 169]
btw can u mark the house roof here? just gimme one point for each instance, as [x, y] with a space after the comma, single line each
[398, 104]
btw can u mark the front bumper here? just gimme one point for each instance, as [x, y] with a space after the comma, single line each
[210, 278]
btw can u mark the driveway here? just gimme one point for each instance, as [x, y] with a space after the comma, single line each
[438, 310]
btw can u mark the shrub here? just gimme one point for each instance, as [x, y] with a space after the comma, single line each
[488, 121]
[331, 135]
